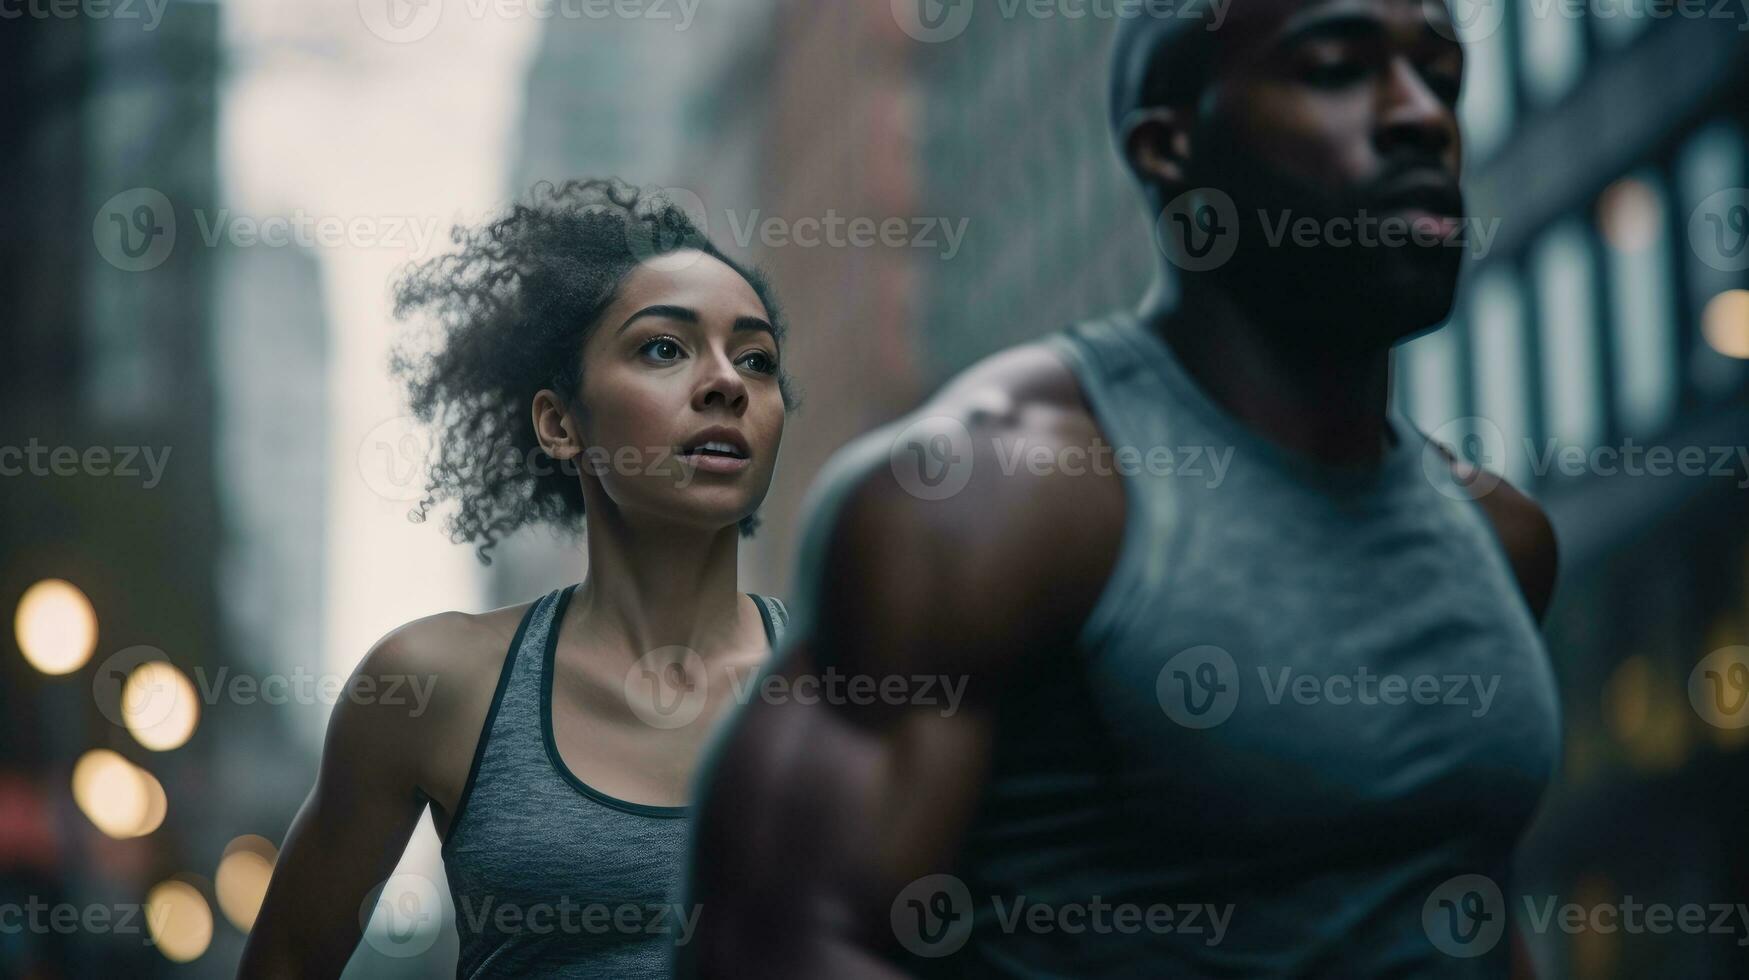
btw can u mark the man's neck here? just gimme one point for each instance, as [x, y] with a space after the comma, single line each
[1320, 400]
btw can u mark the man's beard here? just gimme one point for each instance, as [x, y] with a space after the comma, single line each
[1320, 295]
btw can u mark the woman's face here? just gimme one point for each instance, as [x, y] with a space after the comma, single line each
[682, 409]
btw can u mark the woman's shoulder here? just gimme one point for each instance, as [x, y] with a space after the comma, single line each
[447, 649]
[433, 681]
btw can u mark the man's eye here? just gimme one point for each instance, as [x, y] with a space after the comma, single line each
[662, 349]
[1445, 85]
[1335, 74]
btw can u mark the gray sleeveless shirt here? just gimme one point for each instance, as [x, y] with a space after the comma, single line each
[549, 876]
[1304, 725]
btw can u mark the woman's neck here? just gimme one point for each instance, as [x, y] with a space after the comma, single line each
[655, 586]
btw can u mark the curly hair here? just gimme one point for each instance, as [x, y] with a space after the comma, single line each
[512, 308]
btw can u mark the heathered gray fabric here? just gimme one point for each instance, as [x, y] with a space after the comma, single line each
[1326, 828]
[549, 877]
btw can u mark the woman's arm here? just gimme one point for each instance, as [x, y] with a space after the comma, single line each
[350, 832]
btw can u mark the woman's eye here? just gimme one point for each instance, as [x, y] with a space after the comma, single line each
[663, 349]
[760, 361]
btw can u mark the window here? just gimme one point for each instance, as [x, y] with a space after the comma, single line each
[1496, 318]
[1567, 321]
[1632, 215]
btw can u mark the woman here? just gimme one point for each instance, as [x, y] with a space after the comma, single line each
[601, 367]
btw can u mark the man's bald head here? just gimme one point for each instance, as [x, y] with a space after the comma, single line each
[1162, 55]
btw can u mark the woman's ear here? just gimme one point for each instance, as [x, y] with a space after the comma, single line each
[555, 427]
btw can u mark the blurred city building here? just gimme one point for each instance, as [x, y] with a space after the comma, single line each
[1608, 316]
[108, 127]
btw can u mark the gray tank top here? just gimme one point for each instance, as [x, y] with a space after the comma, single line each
[549, 876]
[1310, 716]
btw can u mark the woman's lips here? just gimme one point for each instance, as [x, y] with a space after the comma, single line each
[708, 463]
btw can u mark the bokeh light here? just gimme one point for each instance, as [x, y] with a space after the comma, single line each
[159, 706]
[1725, 323]
[241, 881]
[179, 919]
[1629, 216]
[118, 797]
[55, 626]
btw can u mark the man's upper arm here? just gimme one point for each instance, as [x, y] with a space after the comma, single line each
[814, 817]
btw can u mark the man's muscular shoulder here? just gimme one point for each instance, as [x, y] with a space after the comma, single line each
[958, 521]
[1523, 528]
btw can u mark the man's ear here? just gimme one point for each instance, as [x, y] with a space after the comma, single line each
[1156, 143]
[555, 427]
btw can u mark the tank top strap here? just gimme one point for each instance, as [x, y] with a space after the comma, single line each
[511, 733]
[774, 615]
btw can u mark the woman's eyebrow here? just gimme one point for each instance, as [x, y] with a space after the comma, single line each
[752, 323]
[680, 313]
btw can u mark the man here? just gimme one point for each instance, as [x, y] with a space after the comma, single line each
[1263, 694]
